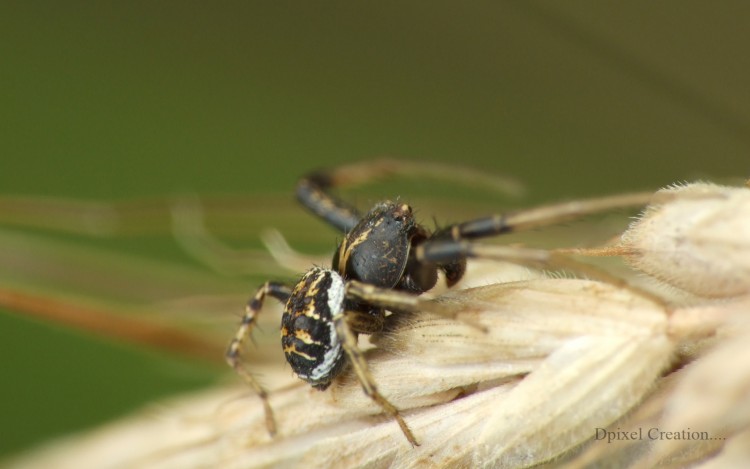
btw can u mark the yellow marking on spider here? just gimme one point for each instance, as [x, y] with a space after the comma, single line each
[311, 313]
[293, 349]
[305, 337]
[312, 292]
[346, 247]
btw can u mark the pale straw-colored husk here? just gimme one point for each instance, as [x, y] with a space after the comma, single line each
[695, 237]
[561, 361]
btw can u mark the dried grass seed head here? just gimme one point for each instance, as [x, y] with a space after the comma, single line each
[695, 237]
[589, 352]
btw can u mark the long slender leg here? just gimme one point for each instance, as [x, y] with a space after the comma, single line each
[444, 251]
[540, 216]
[349, 342]
[314, 190]
[234, 351]
[389, 299]
[398, 301]
[454, 267]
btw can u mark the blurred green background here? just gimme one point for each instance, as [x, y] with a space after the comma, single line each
[123, 101]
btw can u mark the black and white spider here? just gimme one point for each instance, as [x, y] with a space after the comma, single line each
[384, 262]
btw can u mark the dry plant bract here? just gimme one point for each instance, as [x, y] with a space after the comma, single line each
[695, 237]
[561, 361]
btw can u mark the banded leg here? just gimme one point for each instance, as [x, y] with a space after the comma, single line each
[234, 351]
[545, 215]
[359, 364]
[445, 243]
[444, 251]
[313, 190]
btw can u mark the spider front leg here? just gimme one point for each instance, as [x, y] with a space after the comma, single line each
[449, 249]
[234, 351]
[446, 252]
[344, 329]
[537, 217]
[313, 190]
[398, 301]
[349, 323]
[388, 299]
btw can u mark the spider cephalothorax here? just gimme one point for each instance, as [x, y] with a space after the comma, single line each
[378, 250]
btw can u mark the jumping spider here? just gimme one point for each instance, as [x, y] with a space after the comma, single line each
[385, 260]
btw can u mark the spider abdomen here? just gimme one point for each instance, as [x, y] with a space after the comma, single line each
[308, 331]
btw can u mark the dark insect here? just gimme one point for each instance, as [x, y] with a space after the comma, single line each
[385, 260]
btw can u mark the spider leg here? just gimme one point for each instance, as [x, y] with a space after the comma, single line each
[398, 301]
[365, 322]
[313, 190]
[453, 261]
[389, 299]
[540, 216]
[440, 252]
[234, 351]
[359, 364]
